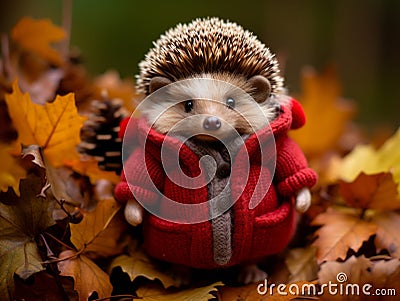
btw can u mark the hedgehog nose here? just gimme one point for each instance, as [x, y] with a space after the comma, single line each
[212, 123]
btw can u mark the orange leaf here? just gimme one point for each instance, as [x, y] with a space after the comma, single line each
[10, 170]
[98, 233]
[327, 115]
[387, 235]
[89, 167]
[36, 36]
[88, 277]
[302, 264]
[378, 191]
[340, 231]
[356, 272]
[55, 126]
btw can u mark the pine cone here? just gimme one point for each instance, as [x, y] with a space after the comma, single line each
[99, 134]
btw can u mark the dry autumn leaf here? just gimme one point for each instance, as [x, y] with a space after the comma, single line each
[22, 219]
[359, 278]
[54, 127]
[115, 87]
[327, 114]
[11, 171]
[387, 235]
[302, 264]
[377, 191]
[89, 167]
[36, 36]
[44, 286]
[7, 132]
[97, 235]
[366, 159]
[153, 292]
[341, 229]
[139, 264]
[88, 277]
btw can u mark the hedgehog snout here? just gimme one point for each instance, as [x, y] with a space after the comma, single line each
[211, 123]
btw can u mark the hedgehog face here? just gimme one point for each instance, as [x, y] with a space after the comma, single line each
[210, 106]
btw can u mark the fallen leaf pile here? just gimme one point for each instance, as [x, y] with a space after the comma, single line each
[63, 235]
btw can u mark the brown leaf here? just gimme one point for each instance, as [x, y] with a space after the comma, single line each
[43, 286]
[115, 87]
[153, 292]
[340, 231]
[98, 234]
[388, 235]
[88, 277]
[56, 181]
[327, 114]
[385, 274]
[351, 271]
[89, 167]
[22, 219]
[36, 36]
[377, 191]
[43, 88]
[302, 264]
[360, 274]
[139, 264]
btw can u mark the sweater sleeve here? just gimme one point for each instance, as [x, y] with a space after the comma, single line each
[142, 179]
[292, 171]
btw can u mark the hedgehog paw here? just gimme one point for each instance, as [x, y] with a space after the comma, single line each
[303, 200]
[133, 212]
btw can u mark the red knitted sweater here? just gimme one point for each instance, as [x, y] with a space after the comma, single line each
[257, 232]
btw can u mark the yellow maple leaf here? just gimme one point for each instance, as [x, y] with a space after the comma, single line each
[327, 114]
[36, 36]
[55, 126]
[10, 170]
[366, 159]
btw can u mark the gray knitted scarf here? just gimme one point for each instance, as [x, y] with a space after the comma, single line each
[219, 192]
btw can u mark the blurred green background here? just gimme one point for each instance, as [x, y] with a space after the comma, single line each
[361, 37]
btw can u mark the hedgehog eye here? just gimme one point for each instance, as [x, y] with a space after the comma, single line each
[230, 103]
[188, 106]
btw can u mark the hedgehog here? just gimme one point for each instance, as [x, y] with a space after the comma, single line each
[217, 88]
[219, 51]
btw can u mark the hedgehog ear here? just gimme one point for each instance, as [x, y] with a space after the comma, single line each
[158, 82]
[261, 86]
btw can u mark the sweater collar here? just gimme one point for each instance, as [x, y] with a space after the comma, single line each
[154, 140]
